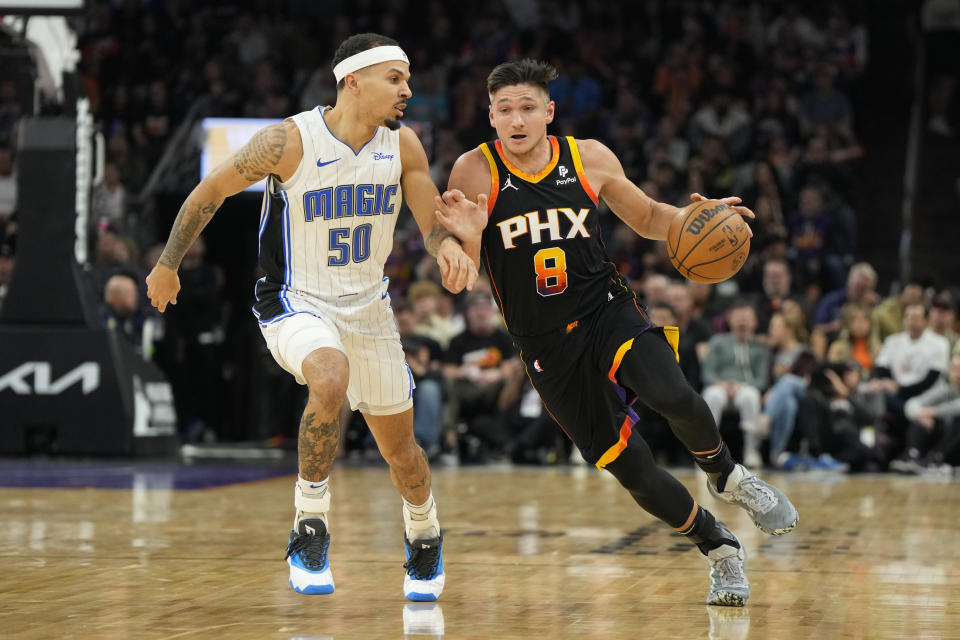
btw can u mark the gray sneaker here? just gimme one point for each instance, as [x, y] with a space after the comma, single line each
[728, 578]
[771, 511]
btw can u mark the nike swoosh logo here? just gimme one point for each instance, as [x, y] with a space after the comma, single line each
[320, 163]
[315, 486]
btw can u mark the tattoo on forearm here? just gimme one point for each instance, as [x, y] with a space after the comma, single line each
[189, 223]
[317, 445]
[435, 237]
[262, 154]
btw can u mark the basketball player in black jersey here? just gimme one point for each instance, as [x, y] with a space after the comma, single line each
[588, 346]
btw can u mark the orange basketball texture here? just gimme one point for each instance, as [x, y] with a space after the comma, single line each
[708, 242]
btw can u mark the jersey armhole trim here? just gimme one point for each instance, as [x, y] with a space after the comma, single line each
[581, 173]
[304, 141]
[494, 178]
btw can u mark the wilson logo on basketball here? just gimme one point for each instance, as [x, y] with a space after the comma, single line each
[697, 224]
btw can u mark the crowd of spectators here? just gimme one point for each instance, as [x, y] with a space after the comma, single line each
[801, 360]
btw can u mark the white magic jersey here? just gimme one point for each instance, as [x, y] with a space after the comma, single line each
[327, 231]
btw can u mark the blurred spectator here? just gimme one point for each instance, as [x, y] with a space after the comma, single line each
[121, 309]
[735, 372]
[157, 122]
[793, 363]
[940, 20]
[724, 119]
[695, 332]
[713, 167]
[888, 315]
[676, 149]
[424, 296]
[909, 363]
[477, 370]
[7, 263]
[8, 184]
[825, 106]
[933, 438]
[819, 245]
[534, 436]
[829, 418]
[858, 340]
[943, 320]
[655, 288]
[109, 199]
[192, 349]
[774, 118]
[860, 289]
[425, 359]
[577, 94]
[776, 291]
[822, 166]
[111, 256]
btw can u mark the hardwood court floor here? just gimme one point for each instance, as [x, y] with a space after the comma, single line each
[558, 553]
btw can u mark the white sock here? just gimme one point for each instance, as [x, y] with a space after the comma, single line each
[312, 500]
[420, 521]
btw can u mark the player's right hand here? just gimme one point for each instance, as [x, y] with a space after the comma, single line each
[457, 270]
[163, 285]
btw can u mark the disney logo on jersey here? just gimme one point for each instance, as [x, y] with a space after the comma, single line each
[376, 155]
[348, 200]
[535, 223]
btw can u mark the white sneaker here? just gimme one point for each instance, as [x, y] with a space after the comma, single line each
[771, 511]
[728, 577]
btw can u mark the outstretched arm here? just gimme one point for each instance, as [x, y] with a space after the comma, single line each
[649, 218]
[470, 175]
[276, 149]
[457, 266]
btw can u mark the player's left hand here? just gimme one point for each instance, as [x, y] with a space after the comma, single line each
[457, 270]
[460, 216]
[730, 201]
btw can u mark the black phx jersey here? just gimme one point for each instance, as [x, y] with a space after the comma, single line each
[542, 244]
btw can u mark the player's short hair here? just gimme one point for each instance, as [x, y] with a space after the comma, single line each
[526, 71]
[357, 43]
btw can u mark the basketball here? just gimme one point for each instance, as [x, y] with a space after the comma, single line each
[708, 242]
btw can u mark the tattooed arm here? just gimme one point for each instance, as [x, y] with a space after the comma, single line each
[275, 150]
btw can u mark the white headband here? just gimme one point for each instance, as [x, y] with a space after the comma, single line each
[366, 58]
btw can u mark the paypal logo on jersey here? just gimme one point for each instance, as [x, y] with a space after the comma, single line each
[348, 200]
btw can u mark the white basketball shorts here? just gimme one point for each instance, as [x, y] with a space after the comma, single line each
[380, 380]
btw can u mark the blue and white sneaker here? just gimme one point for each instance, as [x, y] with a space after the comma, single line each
[307, 556]
[424, 565]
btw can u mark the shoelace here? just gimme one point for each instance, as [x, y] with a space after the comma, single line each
[756, 495]
[730, 570]
[423, 562]
[312, 549]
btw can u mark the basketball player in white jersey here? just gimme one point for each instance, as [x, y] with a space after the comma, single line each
[335, 181]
